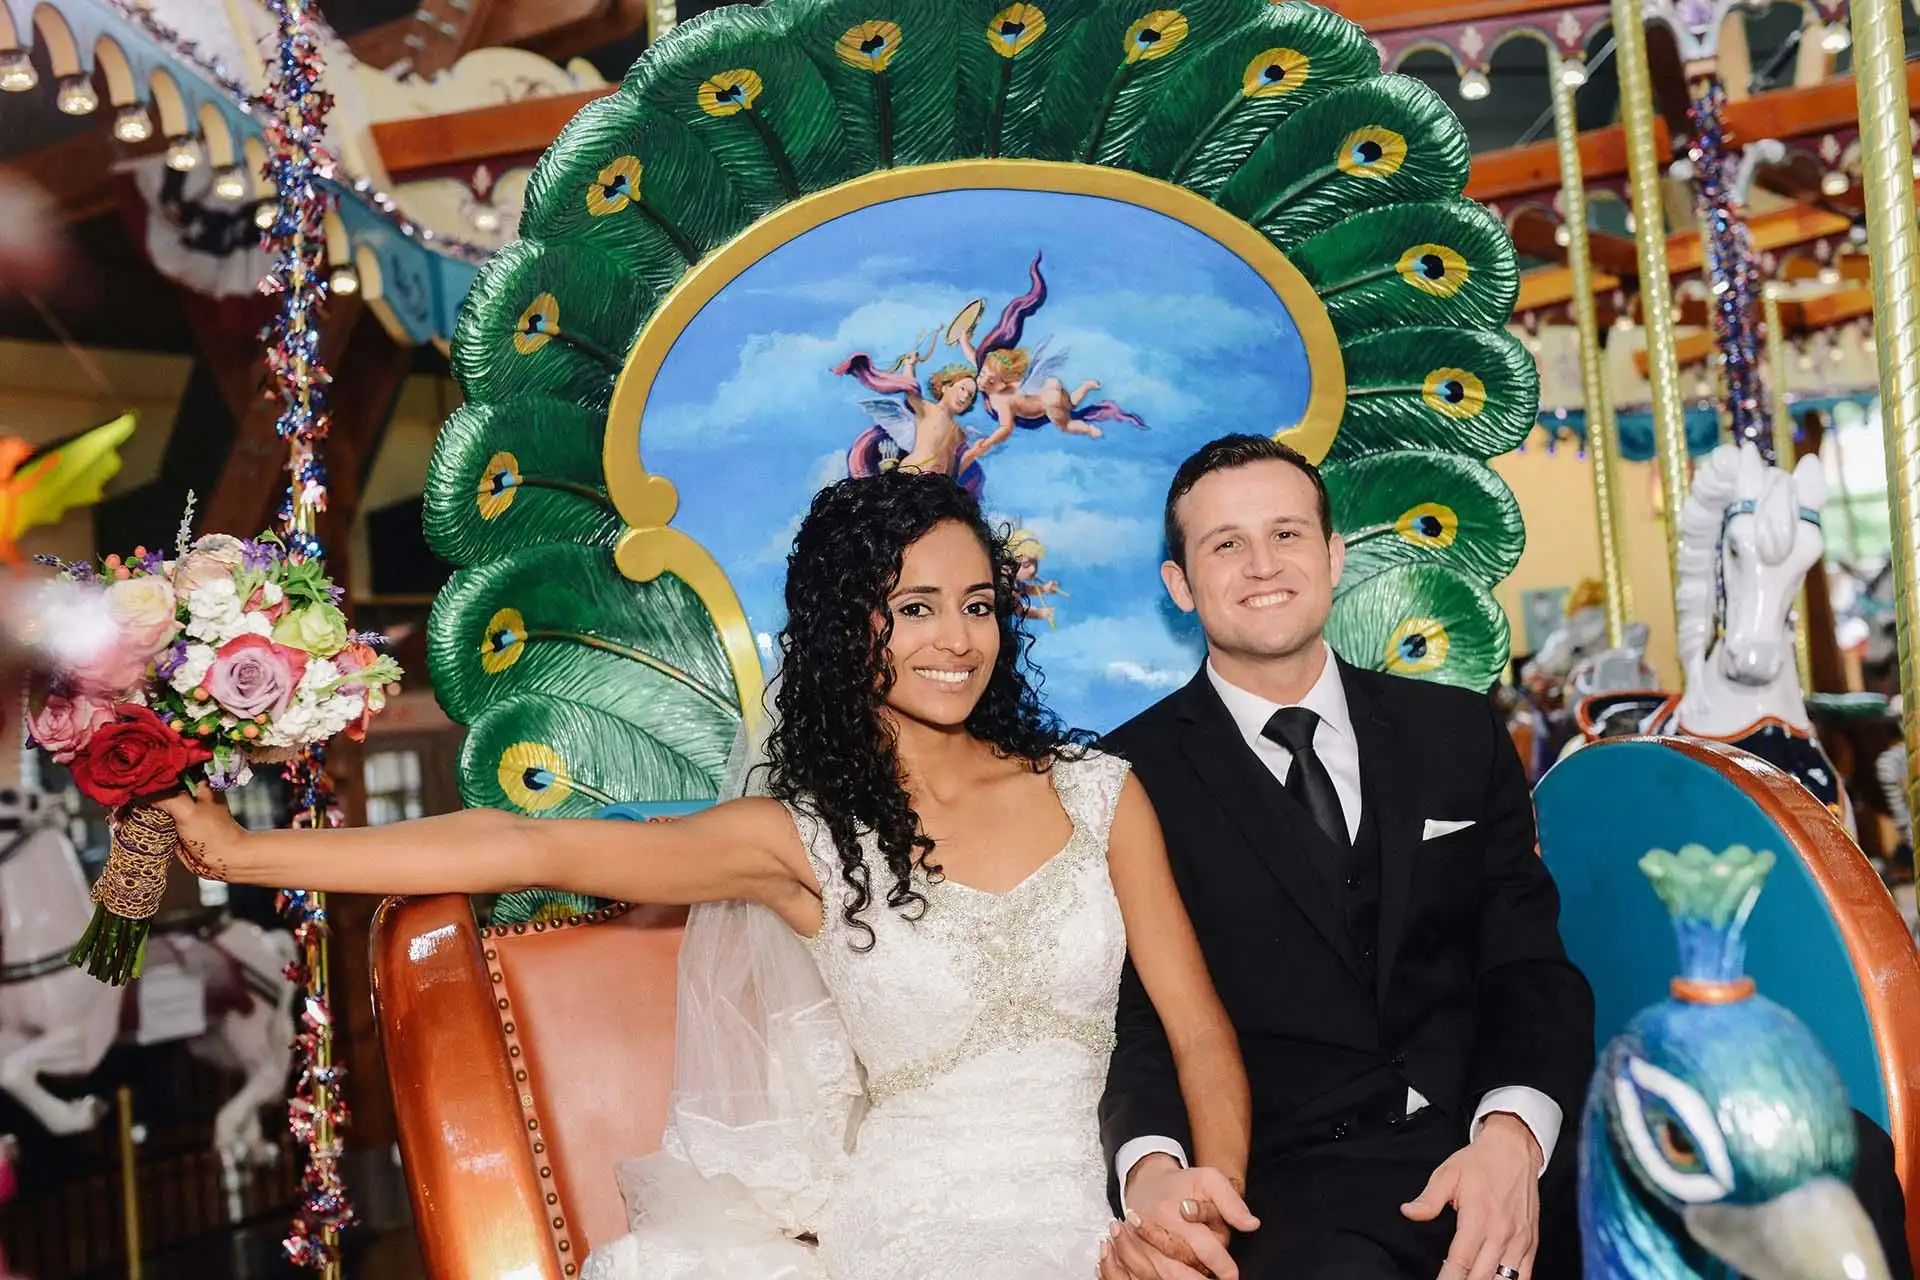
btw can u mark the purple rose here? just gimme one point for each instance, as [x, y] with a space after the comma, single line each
[251, 675]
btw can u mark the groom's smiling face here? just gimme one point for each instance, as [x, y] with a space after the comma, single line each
[1259, 567]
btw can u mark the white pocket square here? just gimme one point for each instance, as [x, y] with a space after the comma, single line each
[1437, 827]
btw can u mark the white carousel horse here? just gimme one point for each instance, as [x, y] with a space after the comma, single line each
[1749, 531]
[55, 1020]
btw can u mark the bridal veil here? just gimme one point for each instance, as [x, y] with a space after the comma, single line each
[767, 1094]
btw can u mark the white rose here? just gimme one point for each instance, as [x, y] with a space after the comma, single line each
[193, 669]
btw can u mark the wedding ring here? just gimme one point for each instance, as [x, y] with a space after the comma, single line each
[1506, 1273]
[1190, 1210]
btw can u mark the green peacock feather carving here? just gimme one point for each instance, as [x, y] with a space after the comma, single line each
[579, 687]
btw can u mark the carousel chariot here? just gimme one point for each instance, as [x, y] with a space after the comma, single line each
[1188, 210]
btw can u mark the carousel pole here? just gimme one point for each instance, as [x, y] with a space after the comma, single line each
[300, 166]
[1783, 457]
[1649, 237]
[1593, 374]
[129, 1180]
[1886, 171]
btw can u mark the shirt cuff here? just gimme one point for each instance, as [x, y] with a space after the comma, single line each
[1536, 1110]
[1139, 1149]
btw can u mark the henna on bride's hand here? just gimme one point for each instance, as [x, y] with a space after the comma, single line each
[194, 854]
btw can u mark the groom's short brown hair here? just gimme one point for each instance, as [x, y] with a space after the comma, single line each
[1226, 454]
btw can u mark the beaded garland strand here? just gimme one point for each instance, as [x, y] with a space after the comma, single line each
[1732, 271]
[294, 113]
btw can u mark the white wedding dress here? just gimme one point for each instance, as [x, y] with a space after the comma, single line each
[934, 1106]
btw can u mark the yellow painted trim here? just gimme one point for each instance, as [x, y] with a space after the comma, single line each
[647, 502]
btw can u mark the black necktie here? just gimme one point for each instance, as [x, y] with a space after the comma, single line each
[1308, 780]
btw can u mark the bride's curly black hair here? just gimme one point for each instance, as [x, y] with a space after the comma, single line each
[830, 749]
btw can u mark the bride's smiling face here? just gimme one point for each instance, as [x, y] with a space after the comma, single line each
[946, 636]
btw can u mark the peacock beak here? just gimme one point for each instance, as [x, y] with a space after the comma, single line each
[1817, 1231]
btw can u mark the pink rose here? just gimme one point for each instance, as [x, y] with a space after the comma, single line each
[112, 669]
[251, 675]
[65, 726]
[143, 610]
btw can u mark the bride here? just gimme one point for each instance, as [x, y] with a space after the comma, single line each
[895, 1021]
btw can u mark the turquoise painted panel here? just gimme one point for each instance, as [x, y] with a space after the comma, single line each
[1604, 807]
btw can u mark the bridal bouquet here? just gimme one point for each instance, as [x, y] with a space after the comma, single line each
[230, 655]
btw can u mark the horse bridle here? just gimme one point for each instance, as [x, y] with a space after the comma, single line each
[1743, 508]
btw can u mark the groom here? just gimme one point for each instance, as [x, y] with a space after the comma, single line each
[1357, 853]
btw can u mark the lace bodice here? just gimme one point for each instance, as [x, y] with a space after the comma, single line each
[982, 1031]
[980, 973]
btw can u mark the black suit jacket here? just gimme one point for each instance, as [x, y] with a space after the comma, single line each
[1473, 990]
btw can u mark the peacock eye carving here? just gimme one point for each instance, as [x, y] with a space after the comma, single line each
[1672, 1134]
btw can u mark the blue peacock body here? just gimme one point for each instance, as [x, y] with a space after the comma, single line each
[1717, 1138]
[579, 686]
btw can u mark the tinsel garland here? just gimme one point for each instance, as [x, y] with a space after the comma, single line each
[1729, 263]
[294, 112]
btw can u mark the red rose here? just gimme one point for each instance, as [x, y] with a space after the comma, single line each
[137, 754]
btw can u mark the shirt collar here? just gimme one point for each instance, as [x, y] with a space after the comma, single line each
[1326, 699]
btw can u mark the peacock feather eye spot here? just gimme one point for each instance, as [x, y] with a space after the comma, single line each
[534, 776]
[614, 187]
[730, 92]
[1454, 393]
[1014, 29]
[498, 485]
[538, 323]
[1434, 269]
[1156, 35]
[1417, 646]
[1372, 152]
[1431, 524]
[1274, 73]
[870, 46]
[505, 641]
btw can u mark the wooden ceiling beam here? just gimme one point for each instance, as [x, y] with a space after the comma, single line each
[527, 127]
[1534, 231]
[1785, 113]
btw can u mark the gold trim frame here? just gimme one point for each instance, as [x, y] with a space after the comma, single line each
[647, 502]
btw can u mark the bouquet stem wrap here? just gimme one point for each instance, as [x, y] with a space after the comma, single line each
[127, 895]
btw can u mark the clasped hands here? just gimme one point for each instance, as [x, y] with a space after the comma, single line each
[1180, 1219]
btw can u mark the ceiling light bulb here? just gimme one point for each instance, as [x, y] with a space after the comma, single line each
[1573, 72]
[1829, 275]
[1836, 38]
[1563, 235]
[230, 184]
[182, 155]
[1474, 85]
[1834, 183]
[264, 214]
[16, 71]
[132, 125]
[486, 218]
[76, 96]
[343, 281]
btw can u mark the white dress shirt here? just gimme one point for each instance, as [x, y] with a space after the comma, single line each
[1339, 751]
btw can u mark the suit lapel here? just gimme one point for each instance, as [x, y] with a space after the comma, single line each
[1386, 775]
[1271, 823]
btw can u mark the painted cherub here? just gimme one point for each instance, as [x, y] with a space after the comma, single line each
[1027, 552]
[922, 430]
[1023, 390]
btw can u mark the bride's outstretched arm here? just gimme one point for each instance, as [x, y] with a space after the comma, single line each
[744, 849]
[1166, 954]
